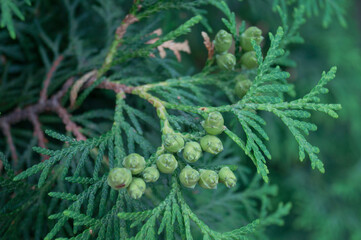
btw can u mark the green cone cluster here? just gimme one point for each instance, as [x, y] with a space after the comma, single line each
[189, 177]
[134, 175]
[227, 177]
[173, 142]
[226, 61]
[119, 178]
[136, 188]
[213, 124]
[252, 33]
[192, 152]
[134, 164]
[249, 59]
[211, 144]
[243, 84]
[167, 163]
[151, 174]
[222, 43]
[209, 179]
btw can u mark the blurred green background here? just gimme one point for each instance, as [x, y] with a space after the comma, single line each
[325, 206]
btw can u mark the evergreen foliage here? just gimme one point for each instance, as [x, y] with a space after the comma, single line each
[328, 9]
[8, 9]
[106, 76]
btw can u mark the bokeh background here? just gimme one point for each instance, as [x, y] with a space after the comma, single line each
[325, 206]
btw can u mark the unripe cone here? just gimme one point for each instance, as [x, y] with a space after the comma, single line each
[136, 188]
[211, 144]
[192, 152]
[240, 77]
[208, 179]
[214, 123]
[249, 60]
[173, 142]
[135, 163]
[242, 87]
[226, 61]
[222, 41]
[167, 163]
[119, 178]
[252, 33]
[189, 177]
[227, 177]
[151, 174]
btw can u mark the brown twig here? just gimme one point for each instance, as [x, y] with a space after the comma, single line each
[69, 124]
[122, 29]
[116, 87]
[38, 133]
[208, 44]
[37, 130]
[48, 105]
[6, 130]
[175, 47]
[31, 113]
[119, 34]
[53, 104]
[49, 75]
[90, 76]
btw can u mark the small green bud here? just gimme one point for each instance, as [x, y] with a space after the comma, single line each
[208, 179]
[227, 177]
[222, 41]
[135, 163]
[173, 142]
[167, 163]
[151, 174]
[226, 61]
[249, 60]
[240, 77]
[242, 87]
[214, 123]
[252, 33]
[211, 144]
[136, 188]
[119, 178]
[189, 177]
[192, 152]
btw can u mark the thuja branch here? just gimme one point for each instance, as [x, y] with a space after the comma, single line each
[5, 127]
[53, 104]
[159, 106]
[121, 30]
[244, 110]
[31, 112]
[49, 75]
[201, 79]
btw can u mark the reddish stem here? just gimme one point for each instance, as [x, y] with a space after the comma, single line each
[6, 130]
[38, 132]
[49, 75]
